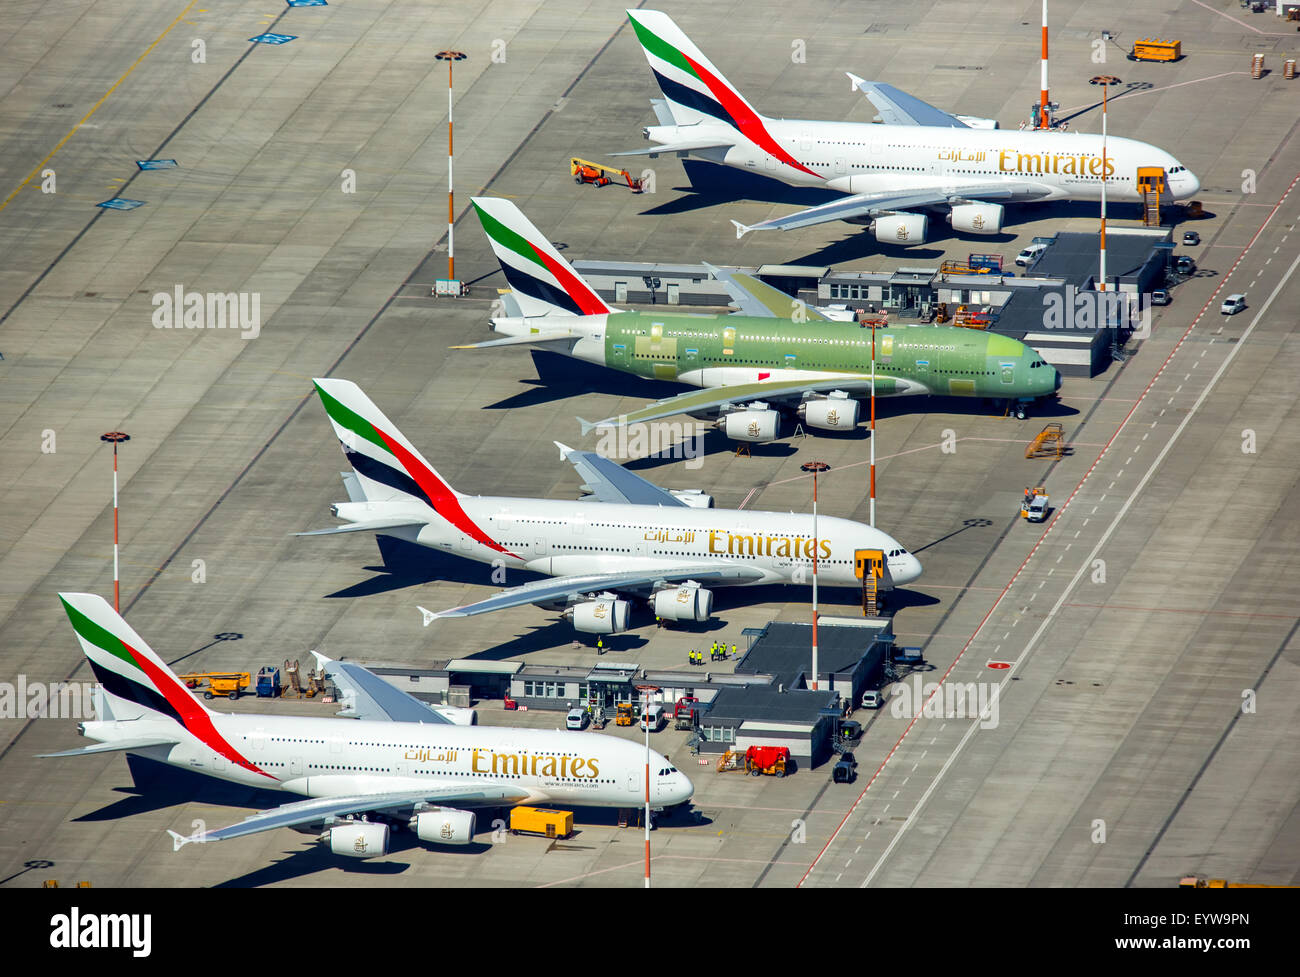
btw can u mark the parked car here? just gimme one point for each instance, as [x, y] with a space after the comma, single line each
[1191, 237]
[1184, 265]
[1029, 254]
[576, 719]
[845, 769]
[1160, 296]
[1233, 304]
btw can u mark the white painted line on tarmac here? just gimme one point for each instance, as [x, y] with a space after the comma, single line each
[1105, 538]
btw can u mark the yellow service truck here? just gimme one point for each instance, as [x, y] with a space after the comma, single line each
[541, 821]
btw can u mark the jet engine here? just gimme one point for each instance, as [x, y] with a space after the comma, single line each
[605, 616]
[901, 228]
[444, 826]
[693, 498]
[357, 839]
[758, 423]
[838, 412]
[976, 218]
[689, 602]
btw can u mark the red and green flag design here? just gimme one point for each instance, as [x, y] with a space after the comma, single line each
[687, 79]
[531, 265]
[127, 668]
[386, 462]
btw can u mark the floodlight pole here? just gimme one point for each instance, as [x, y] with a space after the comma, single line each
[816, 467]
[873, 423]
[114, 438]
[645, 691]
[451, 57]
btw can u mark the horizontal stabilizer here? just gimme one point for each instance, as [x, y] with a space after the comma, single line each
[536, 337]
[680, 146]
[113, 747]
[370, 526]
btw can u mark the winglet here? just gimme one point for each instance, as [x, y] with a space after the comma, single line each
[565, 450]
[586, 425]
[429, 616]
[854, 81]
[741, 229]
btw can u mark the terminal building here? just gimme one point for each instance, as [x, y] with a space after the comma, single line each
[1138, 260]
[767, 700]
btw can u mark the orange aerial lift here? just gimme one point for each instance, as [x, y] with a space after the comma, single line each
[585, 171]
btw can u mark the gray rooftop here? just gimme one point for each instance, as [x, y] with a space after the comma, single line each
[785, 651]
[758, 703]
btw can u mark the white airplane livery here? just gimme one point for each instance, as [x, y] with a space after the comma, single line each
[400, 764]
[920, 158]
[628, 536]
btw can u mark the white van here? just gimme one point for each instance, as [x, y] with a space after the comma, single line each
[652, 717]
[1026, 256]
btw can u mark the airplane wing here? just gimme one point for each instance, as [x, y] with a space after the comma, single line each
[888, 201]
[609, 481]
[562, 588]
[897, 108]
[757, 298]
[322, 808]
[367, 696]
[712, 397]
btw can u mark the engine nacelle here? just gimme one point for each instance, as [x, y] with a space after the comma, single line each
[685, 603]
[444, 826]
[831, 413]
[606, 616]
[901, 228]
[750, 425]
[693, 498]
[976, 218]
[457, 716]
[357, 839]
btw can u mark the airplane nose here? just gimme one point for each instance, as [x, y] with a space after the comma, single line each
[1193, 184]
[1058, 380]
[909, 570]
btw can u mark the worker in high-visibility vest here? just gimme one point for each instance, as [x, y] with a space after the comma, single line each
[733, 651]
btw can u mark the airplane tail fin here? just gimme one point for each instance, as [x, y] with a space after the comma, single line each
[543, 283]
[388, 467]
[135, 682]
[695, 90]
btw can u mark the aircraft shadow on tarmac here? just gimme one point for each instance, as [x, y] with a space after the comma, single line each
[158, 786]
[407, 564]
[316, 858]
[561, 377]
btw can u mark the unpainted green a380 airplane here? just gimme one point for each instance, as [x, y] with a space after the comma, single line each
[747, 362]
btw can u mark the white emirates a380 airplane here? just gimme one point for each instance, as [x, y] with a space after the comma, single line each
[628, 536]
[920, 158]
[398, 763]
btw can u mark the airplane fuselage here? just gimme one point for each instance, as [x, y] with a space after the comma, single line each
[561, 538]
[724, 350]
[868, 158]
[326, 757]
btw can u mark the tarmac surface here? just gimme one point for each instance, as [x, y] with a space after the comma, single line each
[1144, 723]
